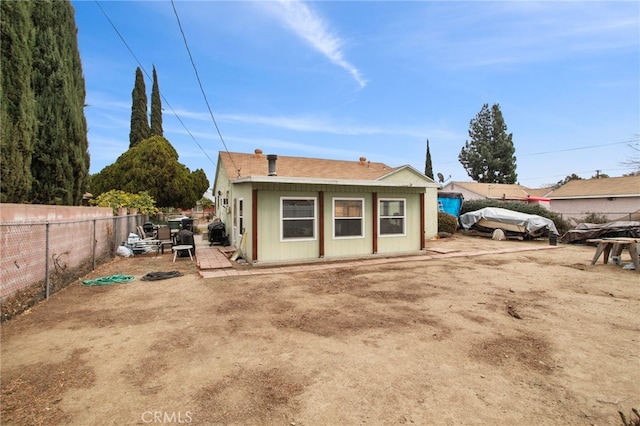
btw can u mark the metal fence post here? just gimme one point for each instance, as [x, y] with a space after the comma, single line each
[46, 262]
[93, 247]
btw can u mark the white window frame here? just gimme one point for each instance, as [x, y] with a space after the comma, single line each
[362, 218]
[403, 217]
[314, 218]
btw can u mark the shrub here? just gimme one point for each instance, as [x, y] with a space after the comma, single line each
[595, 218]
[117, 198]
[561, 225]
[447, 223]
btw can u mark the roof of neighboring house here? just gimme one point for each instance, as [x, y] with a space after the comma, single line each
[301, 167]
[626, 186]
[492, 190]
[540, 192]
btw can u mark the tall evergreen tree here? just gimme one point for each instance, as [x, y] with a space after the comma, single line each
[428, 166]
[17, 101]
[156, 107]
[139, 120]
[489, 155]
[60, 160]
[153, 166]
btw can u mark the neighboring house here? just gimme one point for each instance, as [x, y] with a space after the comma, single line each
[279, 208]
[498, 191]
[614, 197]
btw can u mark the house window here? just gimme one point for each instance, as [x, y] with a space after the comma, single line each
[392, 217]
[298, 218]
[348, 218]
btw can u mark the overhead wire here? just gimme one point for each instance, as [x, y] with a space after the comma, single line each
[166, 102]
[630, 142]
[204, 95]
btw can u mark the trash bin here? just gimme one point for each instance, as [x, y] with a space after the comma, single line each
[187, 223]
[174, 224]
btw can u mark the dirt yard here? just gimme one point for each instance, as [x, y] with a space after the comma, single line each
[531, 338]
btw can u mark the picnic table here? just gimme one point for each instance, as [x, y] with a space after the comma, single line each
[614, 246]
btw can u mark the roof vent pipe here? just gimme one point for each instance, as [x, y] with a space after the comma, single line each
[272, 164]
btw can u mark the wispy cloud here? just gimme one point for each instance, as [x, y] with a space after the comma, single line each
[310, 26]
[486, 34]
[317, 124]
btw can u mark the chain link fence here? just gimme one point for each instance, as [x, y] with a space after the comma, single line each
[597, 217]
[37, 259]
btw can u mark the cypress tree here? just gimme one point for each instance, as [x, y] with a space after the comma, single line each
[60, 160]
[156, 107]
[139, 121]
[17, 101]
[428, 166]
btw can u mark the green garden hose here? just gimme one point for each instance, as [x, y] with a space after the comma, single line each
[113, 279]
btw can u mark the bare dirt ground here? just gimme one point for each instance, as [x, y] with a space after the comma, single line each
[433, 342]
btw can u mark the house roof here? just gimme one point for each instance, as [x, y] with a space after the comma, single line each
[493, 190]
[626, 186]
[238, 165]
[540, 192]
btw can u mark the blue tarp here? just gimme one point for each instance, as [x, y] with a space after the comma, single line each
[451, 202]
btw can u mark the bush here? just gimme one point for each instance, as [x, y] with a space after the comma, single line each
[117, 198]
[447, 223]
[595, 218]
[561, 225]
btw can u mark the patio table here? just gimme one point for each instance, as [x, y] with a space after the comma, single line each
[608, 245]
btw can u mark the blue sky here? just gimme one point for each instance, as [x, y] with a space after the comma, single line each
[341, 80]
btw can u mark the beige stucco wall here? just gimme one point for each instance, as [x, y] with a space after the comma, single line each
[468, 195]
[615, 208]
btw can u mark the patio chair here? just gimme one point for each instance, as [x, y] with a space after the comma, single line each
[145, 244]
[164, 236]
[185, 245]
[143, 235]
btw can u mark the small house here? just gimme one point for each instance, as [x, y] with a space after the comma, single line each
[499, 192]
[284, 209]
[616, 198]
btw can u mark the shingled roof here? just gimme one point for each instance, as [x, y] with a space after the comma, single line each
[626, 186]
[242, 165]
[494, 190]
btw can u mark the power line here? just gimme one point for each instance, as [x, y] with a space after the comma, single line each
[195, 69]
[577, 173]
[582, 147]
[166, 102]
[630, 142]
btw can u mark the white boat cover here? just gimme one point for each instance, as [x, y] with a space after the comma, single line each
[531, 222]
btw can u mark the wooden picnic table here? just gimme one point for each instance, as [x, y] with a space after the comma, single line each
[615, 246]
